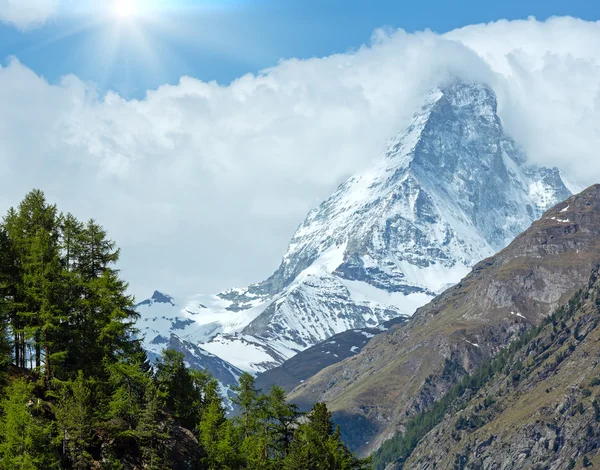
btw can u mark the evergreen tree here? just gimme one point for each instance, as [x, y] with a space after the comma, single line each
[128, 383]
[32, 232]
[38, 249]
[106, 318]
[217, 438]
[11, 284]
[245, 398]
[92, 395]
[25, 439]
[7, 293]
[177, 384]
[317, 446]
[284, 417]
[75, 422]
[256, 447]
[153, 431]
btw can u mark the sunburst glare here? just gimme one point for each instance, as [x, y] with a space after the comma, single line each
[125, 9]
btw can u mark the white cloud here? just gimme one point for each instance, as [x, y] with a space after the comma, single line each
[202, 185]
[27, 14]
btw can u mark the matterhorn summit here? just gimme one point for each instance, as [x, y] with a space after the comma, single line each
[448, 191]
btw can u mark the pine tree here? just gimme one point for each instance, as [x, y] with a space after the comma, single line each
[104, 312]
[6, 269]
[284, 417]
[320, 421]
[37, 247]
[11, 284]
[75, 422]
[318, 446]
[72, 323]
[256, 447]
[25, 440]
[183, 389]
[245, 398]
[153, 431]
[129, 384]
[32, 232]
[217, 438]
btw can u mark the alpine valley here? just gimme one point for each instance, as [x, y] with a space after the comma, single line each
[449, 191]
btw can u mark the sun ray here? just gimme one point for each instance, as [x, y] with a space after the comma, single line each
[125, 9]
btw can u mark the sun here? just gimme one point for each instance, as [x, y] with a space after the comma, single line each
[125, 8]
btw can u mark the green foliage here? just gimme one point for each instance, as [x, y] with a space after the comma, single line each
[246, 399]
[185, 390]
[154, 431]
[79, 391]
[399, 448]
[26, 442]
[218, 438]
[74, 420]
[317, 446]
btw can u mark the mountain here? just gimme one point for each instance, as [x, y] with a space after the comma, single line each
[309, 362]
[406, 369]
[535, 406]
[162, 320]
[450, 190]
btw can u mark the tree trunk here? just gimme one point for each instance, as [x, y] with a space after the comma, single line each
[38, 351]
[47, 354]
[17, 349]
[23, 349]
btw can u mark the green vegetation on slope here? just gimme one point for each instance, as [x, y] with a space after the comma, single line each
[77, 390]
[398, 449]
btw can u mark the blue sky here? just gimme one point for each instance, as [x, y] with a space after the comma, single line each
[224, 40]
[202, 184]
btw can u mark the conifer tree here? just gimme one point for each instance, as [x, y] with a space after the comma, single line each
[6, 294]
[106, 315]
[92, 393]
[317, 446]
[245, 398]
[182, 388]
[75, 422]
[256, 446]
[129, 384]
[37, 247]
[10, 284]
[285, 418]
[217, 438]
[154, 431]
[25, 439]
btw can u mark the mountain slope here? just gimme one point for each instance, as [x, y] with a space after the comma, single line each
[450, 190]
[402, 371]
[309, 362]
[539, 406]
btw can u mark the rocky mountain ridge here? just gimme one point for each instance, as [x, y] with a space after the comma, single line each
[401, 372]
[450, 190]
[535, 406]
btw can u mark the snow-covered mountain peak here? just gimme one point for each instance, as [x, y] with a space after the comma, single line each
[450, 190]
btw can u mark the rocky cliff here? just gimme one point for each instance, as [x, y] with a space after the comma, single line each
[402, 371]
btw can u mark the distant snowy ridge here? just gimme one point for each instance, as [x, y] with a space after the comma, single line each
[450, 190]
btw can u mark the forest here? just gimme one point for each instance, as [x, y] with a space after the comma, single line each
[77, 390]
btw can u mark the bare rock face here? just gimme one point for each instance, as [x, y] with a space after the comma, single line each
[184, 452]
[405, 369]
[539, 411]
